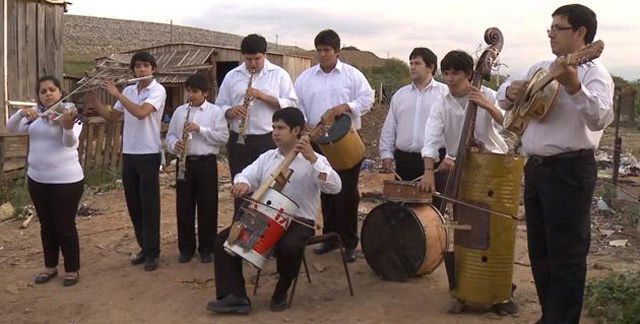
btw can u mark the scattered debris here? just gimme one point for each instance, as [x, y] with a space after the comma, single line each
[27, 221]
[12, 289]
[86, 211]
[7, 211]
[619, 243]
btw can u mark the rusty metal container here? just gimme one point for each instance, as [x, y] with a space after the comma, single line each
[484, 255]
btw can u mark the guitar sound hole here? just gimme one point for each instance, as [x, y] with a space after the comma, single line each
[268, 203]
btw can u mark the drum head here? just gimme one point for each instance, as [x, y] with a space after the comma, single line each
[340, 128]
[393, 241]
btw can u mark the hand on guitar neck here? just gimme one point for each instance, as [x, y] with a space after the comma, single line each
[567, 75]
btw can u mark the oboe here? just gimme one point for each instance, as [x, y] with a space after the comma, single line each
[186, 139]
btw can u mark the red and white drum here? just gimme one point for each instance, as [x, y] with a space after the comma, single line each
[260, 227]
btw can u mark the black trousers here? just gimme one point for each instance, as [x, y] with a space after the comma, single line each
[240, 156]
[340, 211]
[558, 197]
[199, 188]
[56, 206]
[289, 251]
[410, 166]
[141, 184]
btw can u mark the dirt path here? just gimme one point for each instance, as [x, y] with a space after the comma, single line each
[113, 291]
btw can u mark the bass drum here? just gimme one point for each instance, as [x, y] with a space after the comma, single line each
[402, 241]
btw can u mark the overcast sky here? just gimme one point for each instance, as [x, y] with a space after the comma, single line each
[392, 28]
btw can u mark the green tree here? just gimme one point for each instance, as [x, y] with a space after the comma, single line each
[392, 75]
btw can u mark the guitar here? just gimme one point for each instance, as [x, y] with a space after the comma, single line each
[542, 90]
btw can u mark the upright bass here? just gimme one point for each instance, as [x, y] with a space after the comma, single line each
[480, 267]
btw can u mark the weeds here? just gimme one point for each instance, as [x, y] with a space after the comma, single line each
[614, 299]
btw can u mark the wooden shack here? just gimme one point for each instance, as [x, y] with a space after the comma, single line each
[31, 47]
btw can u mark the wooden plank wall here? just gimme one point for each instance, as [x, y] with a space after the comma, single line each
[13, 156]
[34, 45]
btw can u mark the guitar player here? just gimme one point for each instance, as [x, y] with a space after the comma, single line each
[560, 173]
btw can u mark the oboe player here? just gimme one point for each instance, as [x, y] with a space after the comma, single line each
[271, 89]
[199, 187]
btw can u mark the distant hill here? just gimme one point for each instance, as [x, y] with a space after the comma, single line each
[354, 56]
[90, 37]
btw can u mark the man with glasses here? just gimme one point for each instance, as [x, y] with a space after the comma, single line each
[560, 173]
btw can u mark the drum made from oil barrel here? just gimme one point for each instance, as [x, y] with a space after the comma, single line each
[402, 241]
[342, 145]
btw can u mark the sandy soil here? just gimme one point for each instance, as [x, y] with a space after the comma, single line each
[113, 291]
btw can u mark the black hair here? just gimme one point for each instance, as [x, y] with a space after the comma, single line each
[429, 58]
[253, 44]
[198, 81]
[328, 37]
[291, 116]
[458, 61]
[580, 16]
[51, 78]
[142, 57]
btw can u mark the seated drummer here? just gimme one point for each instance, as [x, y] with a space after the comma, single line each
[312, 174]
[447, 117]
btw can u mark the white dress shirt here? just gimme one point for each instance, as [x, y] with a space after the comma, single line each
[447, 118]
[53, 150]
[271, 80]
[319, 91]
[575, 121]
[213, 129]
[304, 186]
[404, 127]
[142, 136]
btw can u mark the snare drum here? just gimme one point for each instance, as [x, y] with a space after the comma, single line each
[260, 227]
[402, 241]
[342, 145]
[405, 191]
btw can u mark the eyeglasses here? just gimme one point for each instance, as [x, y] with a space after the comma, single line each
[555, 29]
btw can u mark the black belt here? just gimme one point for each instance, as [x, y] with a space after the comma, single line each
[200, 157]
[251, 135]
[538, 160]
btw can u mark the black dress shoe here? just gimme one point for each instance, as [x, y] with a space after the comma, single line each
[206, 258]
[185, 257]
[138, 258]
[278, 305]
[150, 263]
[230, 304]
[350, 255]
[324, 248]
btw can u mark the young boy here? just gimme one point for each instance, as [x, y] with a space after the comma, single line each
[208, 129]
[447, 117]
[312, 174]
[142, 105]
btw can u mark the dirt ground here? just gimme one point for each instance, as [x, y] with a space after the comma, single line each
[111, 290]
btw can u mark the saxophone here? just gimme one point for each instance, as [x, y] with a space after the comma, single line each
[248, 99]
[186, 139]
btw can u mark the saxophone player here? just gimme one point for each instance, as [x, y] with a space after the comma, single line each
[263, 92]
[208, 127]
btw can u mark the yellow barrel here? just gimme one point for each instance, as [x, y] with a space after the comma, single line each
[484, 255]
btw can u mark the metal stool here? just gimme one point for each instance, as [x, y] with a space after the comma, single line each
[312, 241]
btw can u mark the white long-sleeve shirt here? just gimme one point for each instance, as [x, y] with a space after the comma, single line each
[404, 126]
[319, 91]
[213, 129]
[575, 121]
[53, 150]
[142, 136]
[304, 186]
[272, 80]
[447, 119]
